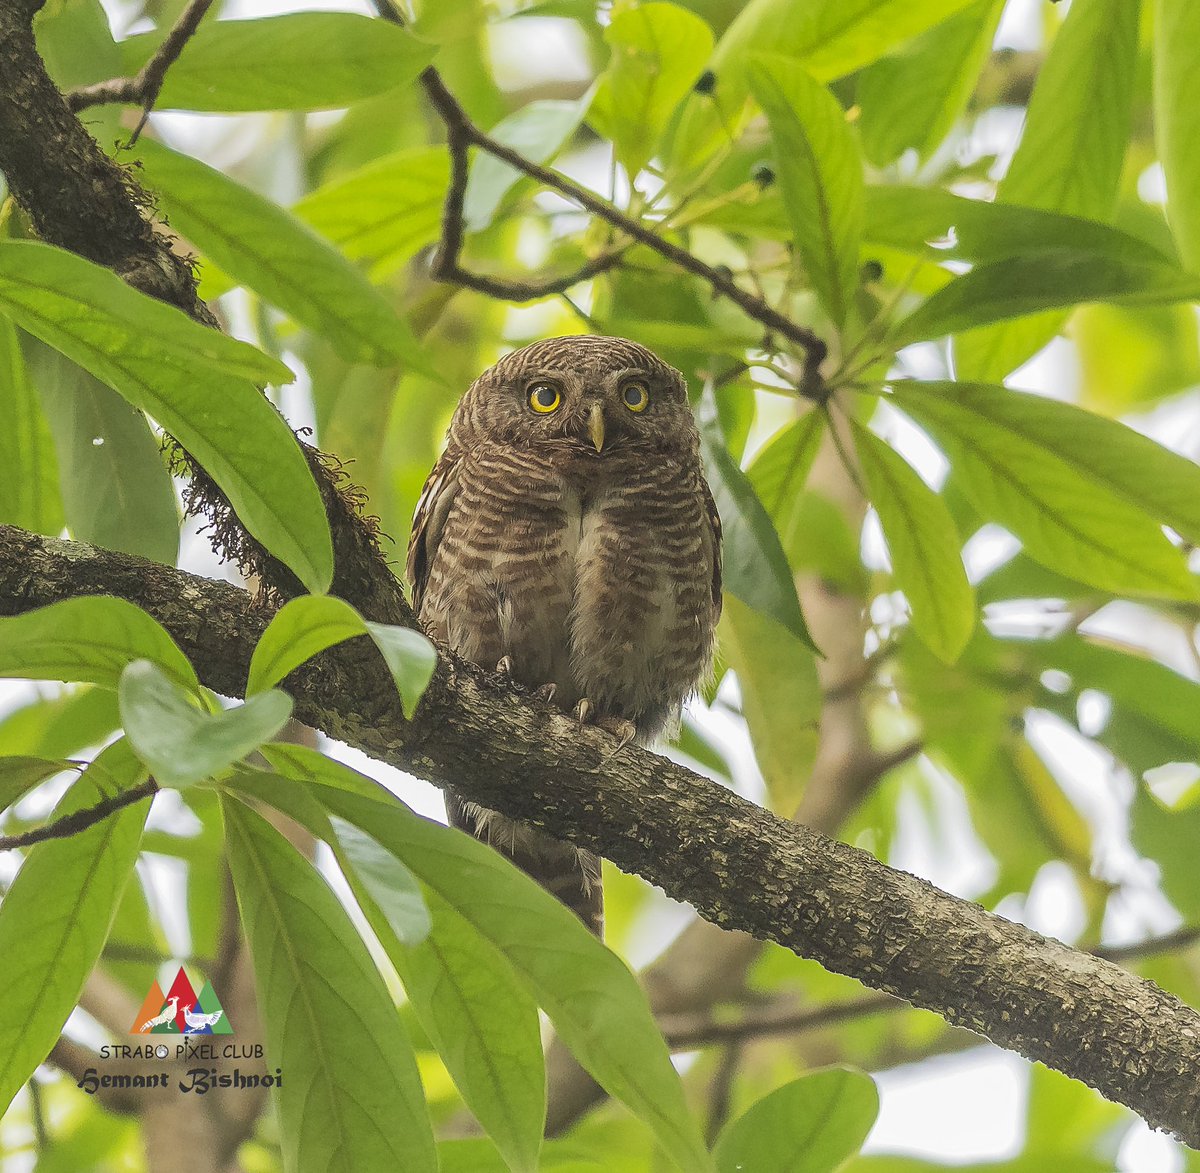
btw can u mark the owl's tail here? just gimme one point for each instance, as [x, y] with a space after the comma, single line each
[570, 874]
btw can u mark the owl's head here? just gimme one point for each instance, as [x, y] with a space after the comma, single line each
[589, 395]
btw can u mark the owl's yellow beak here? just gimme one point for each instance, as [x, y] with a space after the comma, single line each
[596, 427]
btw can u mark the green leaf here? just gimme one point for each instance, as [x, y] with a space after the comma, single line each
[384, 212]
[538, 131]
[820, 175]
[924, 545]
[826, 38]
[595, 1003]
[263, 246]
[21, 773]
[180, 743]
[1066, 519]
[780, 469]
[1040, 281]
[61, 725]
[755, 568]
[410, 658]
[1078, 120]
[299, 630]
[392, 887]
[1177, 119]
[658, 51]
[812, 1125]
[1070, 155]
[914, 97]
[306, 626]
[485, 1027]
[299, 61]
[940, 225]
[116, 490]
[90, 638]
[174, 369]
[29, 494]
[56, 916]
[352, 1098]
[781, 699]
[1118, 459]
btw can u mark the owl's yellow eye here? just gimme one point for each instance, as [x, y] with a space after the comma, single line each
[544, 398]
[636, 397]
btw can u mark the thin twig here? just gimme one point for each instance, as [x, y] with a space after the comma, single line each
[143, 89]
[462, 133]
[73, 824]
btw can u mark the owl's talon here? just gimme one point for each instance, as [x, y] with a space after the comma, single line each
[622, 729]
[544, 693]
[583, 711]
[504, 666]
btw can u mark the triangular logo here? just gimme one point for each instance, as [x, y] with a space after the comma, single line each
[180, 1011]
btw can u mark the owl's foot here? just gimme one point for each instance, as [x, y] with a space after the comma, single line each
[545, 693]
[504, 667]
[621, 728]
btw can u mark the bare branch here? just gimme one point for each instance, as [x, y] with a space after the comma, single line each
[73, 824]
[739, 865]
[462, 133]
[143, 89]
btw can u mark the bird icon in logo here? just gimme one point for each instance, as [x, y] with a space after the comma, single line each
[197, 1022]
[168, 1015]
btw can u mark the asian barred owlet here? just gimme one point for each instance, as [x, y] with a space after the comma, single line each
[567, 537]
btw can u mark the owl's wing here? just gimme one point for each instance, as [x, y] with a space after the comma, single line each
[714, 525]
[433, 507]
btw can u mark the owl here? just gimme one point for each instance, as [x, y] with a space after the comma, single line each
[567, 539]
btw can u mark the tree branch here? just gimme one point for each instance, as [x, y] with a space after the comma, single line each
[143, 89]
[739, 865]
[73, 824]
[462, 133]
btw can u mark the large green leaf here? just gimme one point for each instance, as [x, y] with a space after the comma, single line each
[812, 1125]
[352, 1098]
[308, 625]
[90, 638]
[826, 38]
[29, 493]
[940, 225]
[174, 369]
[913, 97]
[465, 995]
[1113, 455]
[1177, 119]
[594, 1002]
[755, 567]
[385, 211]
[924, 545]
[658, 51]
[270, 250]
[61, 725]
[781, 699]
[179, 742]
[1040, 281]
[116, 490]
[1070, 155]
[820, 174]
[1069, 520]
[298, 61]
[55, 918]
[538, 131]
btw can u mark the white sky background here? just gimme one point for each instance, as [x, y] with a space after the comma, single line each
[959, 1108]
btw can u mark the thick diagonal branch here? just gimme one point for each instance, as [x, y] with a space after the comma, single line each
[740, 866]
